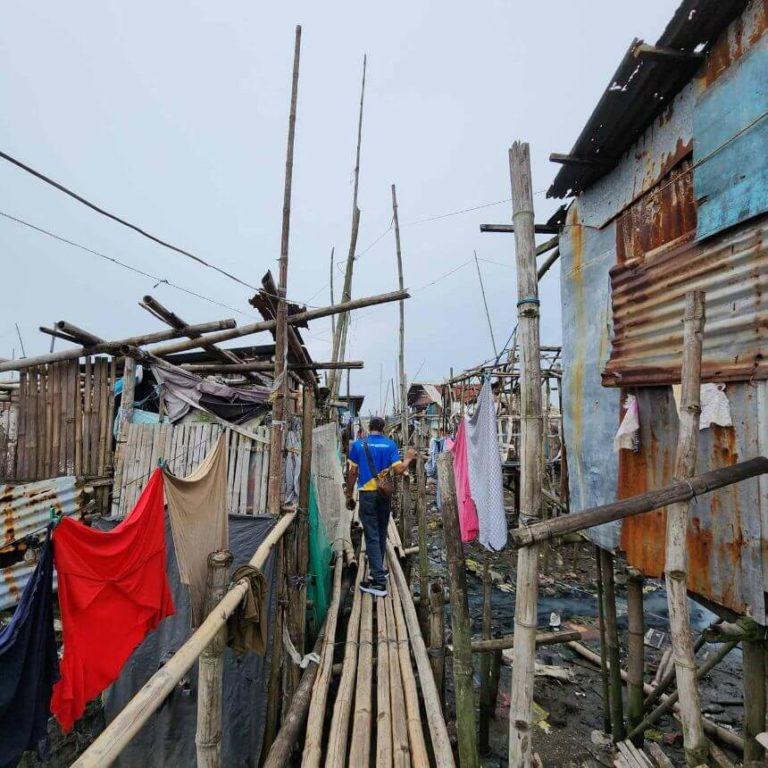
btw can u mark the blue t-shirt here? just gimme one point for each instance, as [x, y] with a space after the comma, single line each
[384, 455]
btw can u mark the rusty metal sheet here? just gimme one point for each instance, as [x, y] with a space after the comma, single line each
[590, 412]
[648, 299]
[725, 532]
[25, 510]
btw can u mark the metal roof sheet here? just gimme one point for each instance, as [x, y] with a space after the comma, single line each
[640, 89]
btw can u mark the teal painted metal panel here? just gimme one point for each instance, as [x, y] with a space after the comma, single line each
[730, 129]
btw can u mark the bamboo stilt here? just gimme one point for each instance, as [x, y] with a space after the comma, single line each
[526, 608]
[618, 731]
[211, 669]
[495, 677]
[316, 717]
[754, 695]
[636, 651]
[485, 669]
[462, 653]
[421, 517]
[676, 568]
[603, 643]
[437, 634]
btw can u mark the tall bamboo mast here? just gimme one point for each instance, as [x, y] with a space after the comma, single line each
[275, 487]
[340, 332]
[401, 359]
[521, 709]
[676, 570]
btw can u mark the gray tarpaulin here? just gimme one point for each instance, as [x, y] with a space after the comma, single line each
[168, 738]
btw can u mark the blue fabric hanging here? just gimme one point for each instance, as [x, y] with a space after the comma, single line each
[29, 666]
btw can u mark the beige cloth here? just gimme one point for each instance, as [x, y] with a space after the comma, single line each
[248, 625]
[197, 507]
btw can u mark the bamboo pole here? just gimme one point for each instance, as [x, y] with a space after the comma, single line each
[676, 569]
[494, 678]
[508, 641]
[484, 744]
[126, 413]
[401, 357]
[285, 741]
[400, 751]
[339, 733]
[105, 750]
[421, 517]
[636, 505]
[441, 744]
[113, 346]
[437, 635]
[257, 365]
[418, 748]
[521, 696]
[603, 644]
[340, 332]
[613, 648]
[211, 668]
[360, 749]
[754, 693]
[313, 742]
[636, 650]
[462, 653]
[725, 736]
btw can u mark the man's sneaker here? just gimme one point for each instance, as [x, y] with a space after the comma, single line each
[374, 588]
[386, 573]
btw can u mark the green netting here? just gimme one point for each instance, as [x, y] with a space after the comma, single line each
[320, 553]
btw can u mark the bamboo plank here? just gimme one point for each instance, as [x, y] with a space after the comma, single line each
[71, 374]
[96, 416]
[57, 463]
[245, 447]
[87, 416]
[78, 406]
[40, 422]
[400, 752]
[383, 700]
[111, 379]
[230, 470]
[238, 474]
[264, 477]
[31, 461]
[21, 433]
[360, 749]
[258, 461]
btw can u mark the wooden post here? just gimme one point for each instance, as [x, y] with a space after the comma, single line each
[603, 645]
[340, 332]
[636, 649]
[421, 516]
[676, 570]
[126, 411]
[754, 694]
[277, 436]
[401, 358]
[462, 651]
[494, 678]
[437, 635]
[612, 644]
[521, 709]
[485, 668]
[211, 669]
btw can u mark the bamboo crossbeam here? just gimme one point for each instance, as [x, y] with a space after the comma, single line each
[539, 229]
[508, 641]
[258, 365]
[313, 743]
[110, 743]
[82, 337]
[111, 347]
[268, 325]
[441, 743]
[637, 505]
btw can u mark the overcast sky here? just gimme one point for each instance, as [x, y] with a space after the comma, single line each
[174, 116]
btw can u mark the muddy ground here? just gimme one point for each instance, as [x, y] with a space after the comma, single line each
[571, 712]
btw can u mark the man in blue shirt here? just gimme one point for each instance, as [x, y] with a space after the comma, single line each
[369, 458]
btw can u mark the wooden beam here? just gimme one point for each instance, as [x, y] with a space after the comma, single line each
[668, 55]
[594, 161]
[83, 337]
[539, 229]
[258, 365]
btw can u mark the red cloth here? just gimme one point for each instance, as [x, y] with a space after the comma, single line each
[112, 591]
[468, 522]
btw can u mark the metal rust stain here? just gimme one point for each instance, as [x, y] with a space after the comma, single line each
[664, 215]
[648, 296]
[738, 40]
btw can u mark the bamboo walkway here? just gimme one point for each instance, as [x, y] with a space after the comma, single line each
[377, 716]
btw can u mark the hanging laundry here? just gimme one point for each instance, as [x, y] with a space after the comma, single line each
[628, 435]
[468, 523]
[197, 507]
[248, 625]
[29, 666]
[112, 591]
[485, 479]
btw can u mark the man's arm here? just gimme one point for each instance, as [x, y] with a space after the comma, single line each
[401, 466]
[352, 473]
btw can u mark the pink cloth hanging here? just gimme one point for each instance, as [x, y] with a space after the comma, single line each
[468, 522]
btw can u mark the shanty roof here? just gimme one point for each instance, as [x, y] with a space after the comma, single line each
[424, 394]
[642, 86]
[258, 352]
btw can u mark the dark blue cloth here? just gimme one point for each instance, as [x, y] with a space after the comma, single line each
[29, 666]
[374, 516]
